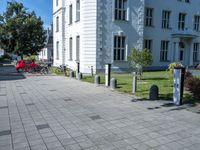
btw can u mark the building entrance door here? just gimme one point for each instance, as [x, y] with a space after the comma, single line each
[182, 52]
[181, 55]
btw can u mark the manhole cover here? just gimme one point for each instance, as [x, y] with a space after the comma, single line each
[3, 107]
[96, 117]
[42, 126]
[5, 132]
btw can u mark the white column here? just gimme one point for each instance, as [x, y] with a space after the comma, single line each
[177, 51]
[176, 43]
[191, 54]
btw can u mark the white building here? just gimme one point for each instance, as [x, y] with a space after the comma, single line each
[46, 54]
[96, 32]
[1, 52]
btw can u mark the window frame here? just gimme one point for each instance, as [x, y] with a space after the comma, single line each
[196, 52]
[148, 44]
[121, 10]
[57, 23]
[78, 4]
[164, 48]
[119, 48]
[70, 14]
[181, 21]
[166, 14]
[70, 48]
[57, 50]
[78, 48]
[197, 22]
[149, 16]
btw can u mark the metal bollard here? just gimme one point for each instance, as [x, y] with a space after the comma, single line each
[72, 74]
[113, 83]
[97, 80]
[80, 76]
[154, 92]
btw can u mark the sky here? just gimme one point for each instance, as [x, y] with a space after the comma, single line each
[42, 8]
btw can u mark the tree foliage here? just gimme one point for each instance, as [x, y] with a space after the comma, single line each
[138, 59]
[21, 32]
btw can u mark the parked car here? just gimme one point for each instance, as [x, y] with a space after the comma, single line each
[25, 65]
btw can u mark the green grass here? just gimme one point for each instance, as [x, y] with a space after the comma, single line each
[163, 79]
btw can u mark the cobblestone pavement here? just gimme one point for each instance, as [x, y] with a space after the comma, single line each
[58, 113]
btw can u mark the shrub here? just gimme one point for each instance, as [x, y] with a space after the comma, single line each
[173, 65]
[56, 70]
[197, 66]
[5, 57]
[188, 74]
[192, 84]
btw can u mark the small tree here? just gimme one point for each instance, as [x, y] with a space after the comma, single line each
[21, 32]
[138, 59]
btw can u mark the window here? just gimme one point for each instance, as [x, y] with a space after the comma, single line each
[196, 22]
[120, 9]
[57, 50]
[56, 2]
[77, 10]
[70, 14]
[148, 44]
[164, 51]
[181, 21]
[78, 48]
[70, 48]
[119, 48]
[149, 17]
[186, 1]
[165, 19]
[57, 24]
[195, 52]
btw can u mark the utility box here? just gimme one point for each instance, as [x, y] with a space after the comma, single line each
[179, 74]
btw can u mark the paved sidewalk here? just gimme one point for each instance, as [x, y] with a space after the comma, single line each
[58, 113]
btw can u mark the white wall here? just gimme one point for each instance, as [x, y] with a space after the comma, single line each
[86, 29]
[156, 33]
[108, 28]
[58, 11]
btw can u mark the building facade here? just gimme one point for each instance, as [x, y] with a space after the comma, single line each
[97, 32]
[46, 53]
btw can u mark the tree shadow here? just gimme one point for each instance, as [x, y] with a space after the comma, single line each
[154, 78]
[11, 76]
[9, 73]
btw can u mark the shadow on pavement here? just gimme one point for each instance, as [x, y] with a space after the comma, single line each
[9, 73]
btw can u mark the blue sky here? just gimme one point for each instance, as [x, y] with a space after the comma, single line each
[42, 8]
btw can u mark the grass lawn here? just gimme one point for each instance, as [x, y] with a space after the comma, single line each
[163, 79]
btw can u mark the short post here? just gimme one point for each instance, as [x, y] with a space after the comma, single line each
[153, 92]
[71, 74]
[80, 76]
[134, 89]
[107, 74]
[179, 73]
[113, 83]
[65, 70]
[92, 72]
[77, 69]
[97, 80]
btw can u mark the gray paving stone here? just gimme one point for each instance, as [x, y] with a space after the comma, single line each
[73, 147]
[79, 115]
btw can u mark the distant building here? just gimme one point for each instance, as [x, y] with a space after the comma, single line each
[96, 32]
[46, 53]
[1, 52]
